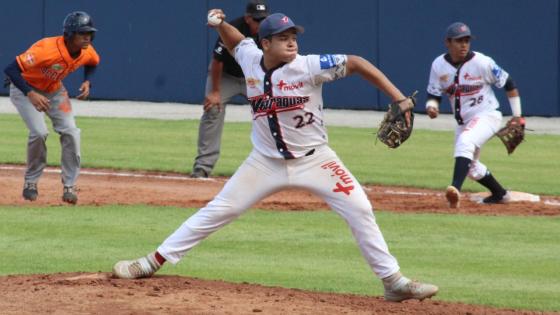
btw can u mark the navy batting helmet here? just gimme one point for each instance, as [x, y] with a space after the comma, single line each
[78, 22]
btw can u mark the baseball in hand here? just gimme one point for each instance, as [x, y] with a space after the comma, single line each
[214, 19]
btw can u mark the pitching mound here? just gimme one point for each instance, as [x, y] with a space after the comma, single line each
[72, 293]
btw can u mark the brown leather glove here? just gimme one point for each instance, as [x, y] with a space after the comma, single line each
[513, 133]
[397, 124]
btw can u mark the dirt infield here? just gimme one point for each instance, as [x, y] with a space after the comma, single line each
[95, 293]
[72, 293]
[101, 187]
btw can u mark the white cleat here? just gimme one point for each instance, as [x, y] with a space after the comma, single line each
[140, 268]
[410, 289]
[453, 196]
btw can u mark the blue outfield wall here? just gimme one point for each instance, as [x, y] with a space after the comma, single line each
[159, 51]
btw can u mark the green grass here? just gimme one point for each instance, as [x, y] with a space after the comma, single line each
[424, 161]
[500, 261]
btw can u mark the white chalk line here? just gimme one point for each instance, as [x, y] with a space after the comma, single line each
[116, 174]
[410, 193]
[552, 203]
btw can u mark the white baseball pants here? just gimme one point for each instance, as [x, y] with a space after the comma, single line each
[258, 177]
[470, 137]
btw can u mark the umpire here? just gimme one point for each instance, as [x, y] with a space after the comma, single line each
[224, 81]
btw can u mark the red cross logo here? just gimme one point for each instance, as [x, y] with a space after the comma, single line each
[281, 85]
[29, 59]
[344, 189]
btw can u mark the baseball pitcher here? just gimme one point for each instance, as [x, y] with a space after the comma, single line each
[289, 138]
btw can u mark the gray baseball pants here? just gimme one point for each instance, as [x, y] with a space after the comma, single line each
[212, 122]
[63, 122]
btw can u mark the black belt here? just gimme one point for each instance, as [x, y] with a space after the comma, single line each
[309, 153]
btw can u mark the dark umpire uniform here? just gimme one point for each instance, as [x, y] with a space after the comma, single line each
[225, 80]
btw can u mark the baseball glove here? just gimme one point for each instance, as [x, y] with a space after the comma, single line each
[394, 129]
[513, 133]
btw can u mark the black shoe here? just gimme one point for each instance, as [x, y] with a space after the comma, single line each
[199, 173]
[497, 198]
[30, 191]
[69, 195]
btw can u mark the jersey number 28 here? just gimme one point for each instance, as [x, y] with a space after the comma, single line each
[475, 100]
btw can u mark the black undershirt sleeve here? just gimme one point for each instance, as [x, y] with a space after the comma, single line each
[510, 84]
[14, 73]
[89, 72]
[434, 97]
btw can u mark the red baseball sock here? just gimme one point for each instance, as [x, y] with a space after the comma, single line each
[160, 259]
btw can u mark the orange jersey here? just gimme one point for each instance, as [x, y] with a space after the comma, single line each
[45, 64]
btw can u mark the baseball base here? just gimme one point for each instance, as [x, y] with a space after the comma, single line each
[515, 196]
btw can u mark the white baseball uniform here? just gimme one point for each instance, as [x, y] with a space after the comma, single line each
[472, 99]
[290, 151]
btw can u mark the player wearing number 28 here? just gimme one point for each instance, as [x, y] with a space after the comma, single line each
[289, 151]
[466, 77]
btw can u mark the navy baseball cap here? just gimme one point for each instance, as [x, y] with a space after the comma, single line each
[458, 30]
[277, 23]
[257, 9]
